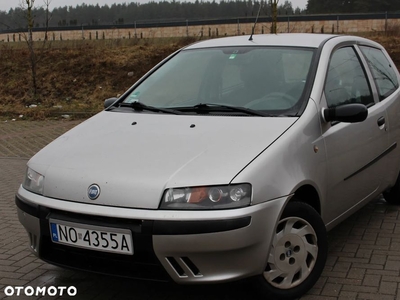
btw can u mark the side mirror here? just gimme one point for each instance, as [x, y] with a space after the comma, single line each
[110, 101]
[348, 113]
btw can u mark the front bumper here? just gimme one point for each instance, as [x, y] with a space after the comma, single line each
[185, 246]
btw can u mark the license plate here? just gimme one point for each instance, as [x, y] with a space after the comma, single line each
[97, 238]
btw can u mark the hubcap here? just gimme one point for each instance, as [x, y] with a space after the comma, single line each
[293, 254]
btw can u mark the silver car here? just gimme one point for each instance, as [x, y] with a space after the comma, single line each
[230, 159]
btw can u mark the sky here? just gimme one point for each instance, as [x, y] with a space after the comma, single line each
[5, 5]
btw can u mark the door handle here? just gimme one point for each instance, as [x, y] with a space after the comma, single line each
[381, 121]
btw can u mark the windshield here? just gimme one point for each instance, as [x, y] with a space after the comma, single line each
[266, 79]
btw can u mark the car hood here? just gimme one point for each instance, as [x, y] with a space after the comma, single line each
[134, 157]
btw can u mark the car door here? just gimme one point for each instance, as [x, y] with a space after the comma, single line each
[355, 151]
[386, 78]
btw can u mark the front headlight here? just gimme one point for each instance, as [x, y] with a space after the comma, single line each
[207, 197]
[33, 181]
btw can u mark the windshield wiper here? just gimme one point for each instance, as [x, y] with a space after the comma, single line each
[211, 107]
[139, 106]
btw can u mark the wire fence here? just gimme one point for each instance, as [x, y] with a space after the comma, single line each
[333, 23]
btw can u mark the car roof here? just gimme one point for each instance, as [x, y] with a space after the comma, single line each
[306, 40]
[285, 39]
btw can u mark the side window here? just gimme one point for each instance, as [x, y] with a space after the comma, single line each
[384, 75]
[346, 81]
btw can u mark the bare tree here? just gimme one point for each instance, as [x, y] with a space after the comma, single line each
[274, 9]
[27, 6]
[48, 18]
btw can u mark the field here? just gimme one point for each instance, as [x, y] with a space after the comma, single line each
[75, 77]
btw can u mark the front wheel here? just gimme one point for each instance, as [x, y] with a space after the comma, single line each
[298, 253]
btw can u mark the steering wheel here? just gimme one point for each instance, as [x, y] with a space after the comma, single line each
[284, 101]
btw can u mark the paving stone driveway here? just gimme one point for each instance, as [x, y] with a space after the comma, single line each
[363, 262]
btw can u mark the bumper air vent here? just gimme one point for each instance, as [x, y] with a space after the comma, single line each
[184, 267]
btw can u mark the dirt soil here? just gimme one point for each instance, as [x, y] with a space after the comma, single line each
[75, 77]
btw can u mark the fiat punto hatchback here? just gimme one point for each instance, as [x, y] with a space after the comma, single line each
[230, 159]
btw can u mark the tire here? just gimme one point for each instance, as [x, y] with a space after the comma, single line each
[297, 256]
[392, 196]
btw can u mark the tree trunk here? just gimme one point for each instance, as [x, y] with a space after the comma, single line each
[274, 8]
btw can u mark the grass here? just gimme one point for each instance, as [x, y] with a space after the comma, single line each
[75, 77]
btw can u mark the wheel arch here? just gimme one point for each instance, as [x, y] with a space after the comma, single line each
[308, 194]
